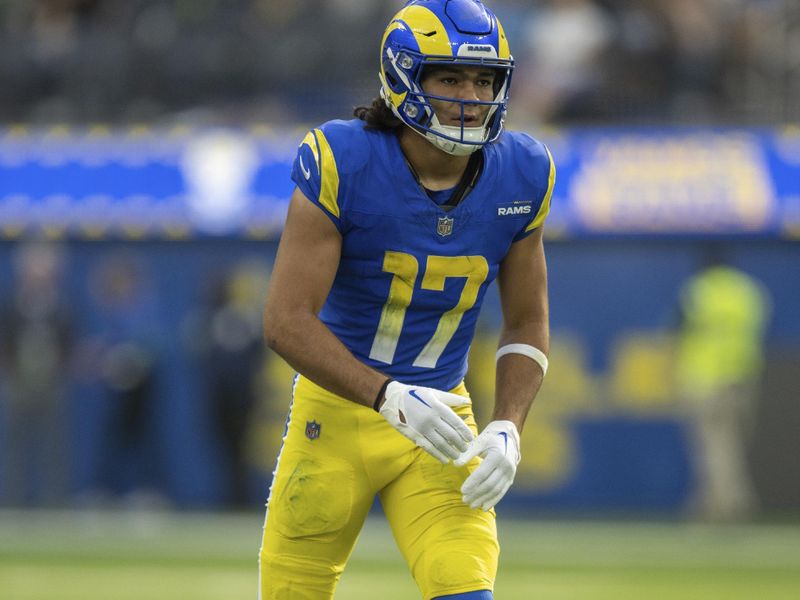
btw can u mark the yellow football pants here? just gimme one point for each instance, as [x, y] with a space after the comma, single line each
[336, 456]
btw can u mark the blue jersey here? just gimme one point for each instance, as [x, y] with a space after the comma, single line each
[412, 275]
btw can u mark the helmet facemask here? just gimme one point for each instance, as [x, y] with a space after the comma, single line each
[405, 71]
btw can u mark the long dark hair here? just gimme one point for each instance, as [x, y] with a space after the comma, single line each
[377, 115]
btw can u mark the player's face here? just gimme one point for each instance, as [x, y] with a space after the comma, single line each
[461, 83]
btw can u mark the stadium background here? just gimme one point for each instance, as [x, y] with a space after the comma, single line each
[145, 148]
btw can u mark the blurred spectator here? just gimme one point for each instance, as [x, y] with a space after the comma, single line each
[226, 336]
[703, 42]
[125, 353]
[561, 73]
[719, 361]
[638, 68]
[283, 60]
[36, 342]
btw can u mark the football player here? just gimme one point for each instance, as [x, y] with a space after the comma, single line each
[400, 221]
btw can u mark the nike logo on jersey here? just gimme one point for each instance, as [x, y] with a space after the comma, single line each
[306, 172]
[503, 211]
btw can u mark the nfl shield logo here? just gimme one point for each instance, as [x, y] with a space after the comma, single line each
[444, 226]
[313, 429]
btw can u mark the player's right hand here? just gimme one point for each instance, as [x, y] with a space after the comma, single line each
[424, 416]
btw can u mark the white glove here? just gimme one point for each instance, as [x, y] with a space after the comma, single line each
[424, 416]
[498, 445]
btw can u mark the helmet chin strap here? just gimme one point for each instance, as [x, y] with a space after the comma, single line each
[453, 148]
[470, 134]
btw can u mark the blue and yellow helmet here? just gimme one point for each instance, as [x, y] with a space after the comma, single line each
[444, 32]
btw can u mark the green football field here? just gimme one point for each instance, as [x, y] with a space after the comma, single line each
[163, 556]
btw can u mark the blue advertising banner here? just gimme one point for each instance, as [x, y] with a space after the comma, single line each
[174, 184]
[143, 183]
[677, 181]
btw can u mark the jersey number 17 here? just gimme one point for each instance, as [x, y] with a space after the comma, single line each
[404, 268]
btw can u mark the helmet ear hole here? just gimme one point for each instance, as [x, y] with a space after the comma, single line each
[391, 77]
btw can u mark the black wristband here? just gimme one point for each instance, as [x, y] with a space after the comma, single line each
[381, 392]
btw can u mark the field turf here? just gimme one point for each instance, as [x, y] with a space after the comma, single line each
[164, 556]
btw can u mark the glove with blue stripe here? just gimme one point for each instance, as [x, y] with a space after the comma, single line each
[498, 445]
[424, 416]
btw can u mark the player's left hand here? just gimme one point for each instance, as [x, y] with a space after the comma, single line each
[498, 445]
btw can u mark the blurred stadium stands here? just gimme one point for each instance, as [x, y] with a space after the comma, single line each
[149, 144]
[123, 61]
